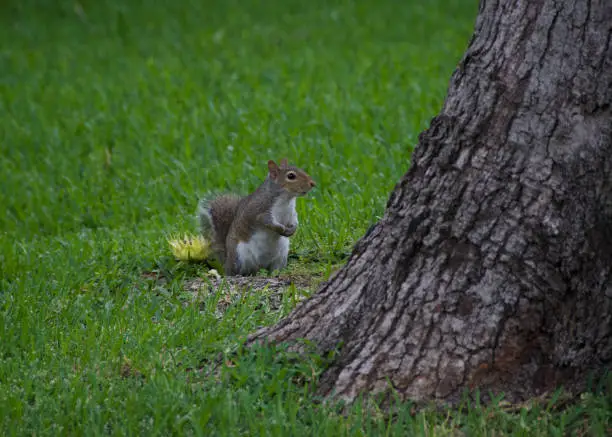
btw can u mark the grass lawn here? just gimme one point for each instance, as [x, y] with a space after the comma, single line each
[115, 117]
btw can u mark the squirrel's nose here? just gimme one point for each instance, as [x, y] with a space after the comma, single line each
[312, 183]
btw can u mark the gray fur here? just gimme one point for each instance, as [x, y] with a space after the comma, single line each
[215, 216]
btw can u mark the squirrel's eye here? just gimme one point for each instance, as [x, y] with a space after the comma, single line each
[291, 176]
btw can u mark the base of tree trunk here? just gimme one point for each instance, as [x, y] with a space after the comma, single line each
[492, 266]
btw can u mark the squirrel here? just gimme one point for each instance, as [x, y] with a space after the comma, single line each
[252, 232]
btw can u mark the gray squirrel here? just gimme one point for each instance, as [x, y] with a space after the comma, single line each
[252, 232]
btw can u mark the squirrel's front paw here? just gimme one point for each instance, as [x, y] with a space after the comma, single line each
[289, 230]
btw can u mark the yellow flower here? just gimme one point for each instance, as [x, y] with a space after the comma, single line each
[190, 247]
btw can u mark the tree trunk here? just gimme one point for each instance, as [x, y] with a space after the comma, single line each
[491, 267]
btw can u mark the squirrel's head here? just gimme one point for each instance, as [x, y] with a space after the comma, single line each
[293, 179]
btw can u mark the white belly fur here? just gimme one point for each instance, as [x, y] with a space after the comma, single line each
[267, 249]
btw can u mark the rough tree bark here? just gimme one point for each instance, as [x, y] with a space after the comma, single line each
[491, 267]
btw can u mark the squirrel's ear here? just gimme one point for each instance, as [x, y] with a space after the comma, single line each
[284, 163]
[273, 169]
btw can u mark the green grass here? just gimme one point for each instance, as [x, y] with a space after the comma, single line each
[114, 117]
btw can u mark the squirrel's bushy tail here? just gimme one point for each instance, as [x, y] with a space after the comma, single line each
[216, 216]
